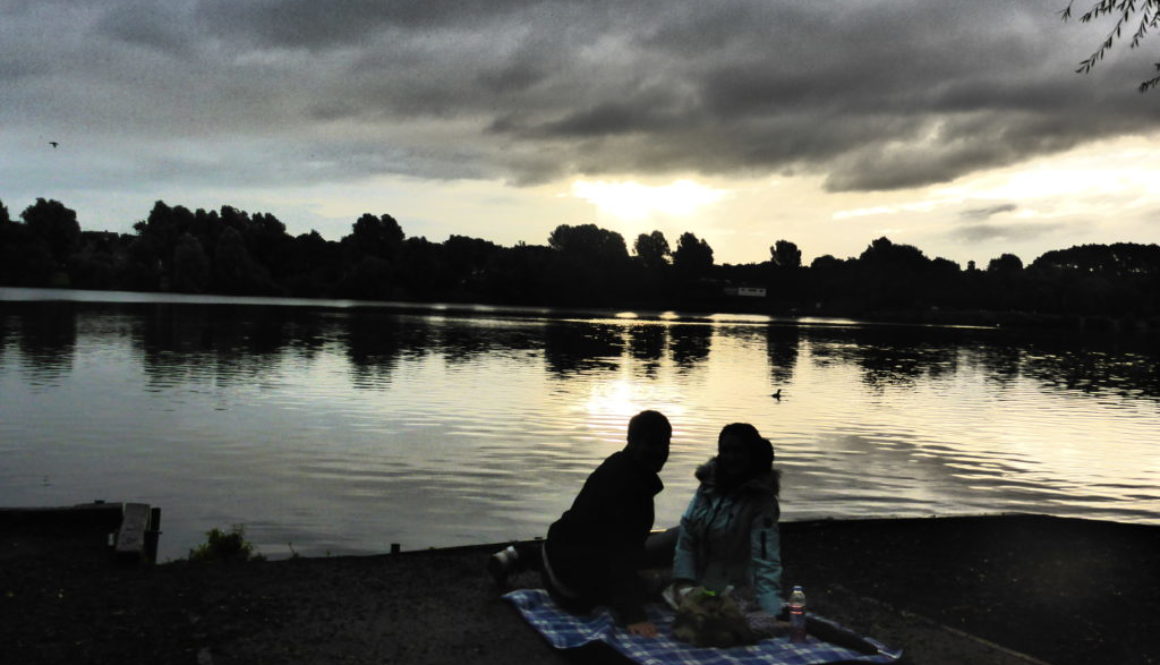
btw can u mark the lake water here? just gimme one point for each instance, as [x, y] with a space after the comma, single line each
[342, 427]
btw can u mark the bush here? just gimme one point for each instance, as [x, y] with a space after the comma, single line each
[225, 547]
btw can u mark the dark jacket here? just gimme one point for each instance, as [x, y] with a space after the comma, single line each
[731, 538]
[597, 546]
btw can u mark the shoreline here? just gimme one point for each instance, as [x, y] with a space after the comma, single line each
[1011, 588]
[687, 312]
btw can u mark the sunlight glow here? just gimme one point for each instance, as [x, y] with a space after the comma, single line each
[633, 201]
[613, 398]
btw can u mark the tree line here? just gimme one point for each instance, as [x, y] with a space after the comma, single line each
[232, 252]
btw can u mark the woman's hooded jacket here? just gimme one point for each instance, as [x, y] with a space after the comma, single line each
[730, 537]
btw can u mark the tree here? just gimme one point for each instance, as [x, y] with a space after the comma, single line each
[785, 254]
[652, 249]
[1126, 12]
[234, 271]
[376, 236]
[588, 242]
[693, 257]
[56, 225]
[191, 267]
[882, 254]
[1006, 264]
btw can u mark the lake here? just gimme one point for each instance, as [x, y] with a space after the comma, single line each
[339, 427]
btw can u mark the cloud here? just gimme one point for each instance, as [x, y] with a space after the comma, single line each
[975, 214]
[875, 95]
[981, 233]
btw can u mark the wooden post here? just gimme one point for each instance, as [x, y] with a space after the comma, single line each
[152, 535]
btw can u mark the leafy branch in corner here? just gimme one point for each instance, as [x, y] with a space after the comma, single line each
[1126, 13]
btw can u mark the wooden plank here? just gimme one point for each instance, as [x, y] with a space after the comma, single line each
[97, 514]
[131, 535]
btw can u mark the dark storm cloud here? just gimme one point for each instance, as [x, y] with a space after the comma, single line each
[880, 94]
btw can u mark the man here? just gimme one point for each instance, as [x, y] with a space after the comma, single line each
[593, 552]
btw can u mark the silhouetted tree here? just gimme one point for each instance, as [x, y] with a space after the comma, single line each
[467, 261]
[785, 254]
[56, 225]
[24, 257]
[376, 236]
[1006, 264]
[653, 250]
[191, 266]
[693, 257]
[588, 242]
[590, 267]
[235, 271]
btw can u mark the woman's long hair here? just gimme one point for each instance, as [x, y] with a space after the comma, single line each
[758, 449]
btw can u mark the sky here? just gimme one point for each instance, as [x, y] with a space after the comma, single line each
[959, 127]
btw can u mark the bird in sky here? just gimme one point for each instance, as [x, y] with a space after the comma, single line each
[53, 143]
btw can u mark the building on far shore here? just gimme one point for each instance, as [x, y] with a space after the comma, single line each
[746, 291]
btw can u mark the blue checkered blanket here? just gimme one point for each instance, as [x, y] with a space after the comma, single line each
[565, 631]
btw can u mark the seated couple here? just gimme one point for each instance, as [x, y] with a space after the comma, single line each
[728, 537]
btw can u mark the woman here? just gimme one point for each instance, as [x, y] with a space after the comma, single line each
[728, 535]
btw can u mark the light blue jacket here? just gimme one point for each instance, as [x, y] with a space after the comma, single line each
[732, 538]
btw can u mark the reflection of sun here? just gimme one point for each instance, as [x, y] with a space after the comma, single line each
[613, 398]
[616, 401]
[634, 201]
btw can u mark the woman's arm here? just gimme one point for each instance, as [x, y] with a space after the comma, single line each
[685, 557]
[765, 557]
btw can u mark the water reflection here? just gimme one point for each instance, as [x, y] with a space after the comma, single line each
[690, 344]
[572, 347]
[891, 356]
[781, 344]
[1127, 368]
[227, 344]
[374, 342]
[337, 410]
[223, 345]
[46, 335]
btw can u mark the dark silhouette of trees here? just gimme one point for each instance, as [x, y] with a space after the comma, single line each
[1006, 264]
[230, 251]
[592, 264]
[191, 265]
[56, 225]
[785, 255]
[693, 258]
[653, 250]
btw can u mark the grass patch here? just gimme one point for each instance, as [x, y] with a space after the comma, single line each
[225, 547]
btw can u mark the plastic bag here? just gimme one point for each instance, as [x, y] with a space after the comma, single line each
[710, 619]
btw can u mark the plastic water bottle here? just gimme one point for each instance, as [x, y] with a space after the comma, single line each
[797, 615]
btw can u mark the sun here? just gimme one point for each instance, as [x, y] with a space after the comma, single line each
[633, 201]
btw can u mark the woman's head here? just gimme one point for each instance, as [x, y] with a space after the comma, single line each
[742, 453]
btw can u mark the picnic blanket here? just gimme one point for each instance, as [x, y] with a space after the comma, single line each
[565, 631]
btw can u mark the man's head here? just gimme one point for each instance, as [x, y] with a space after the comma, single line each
[649, 433]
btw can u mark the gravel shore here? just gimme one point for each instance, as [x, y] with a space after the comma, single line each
[989, 589]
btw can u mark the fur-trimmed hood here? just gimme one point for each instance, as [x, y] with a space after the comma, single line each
[766, 482]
